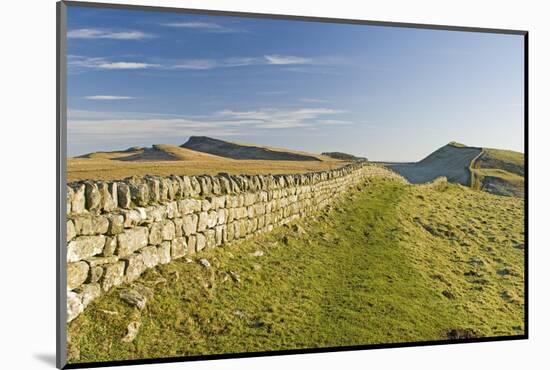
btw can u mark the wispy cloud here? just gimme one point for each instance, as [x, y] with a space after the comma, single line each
[81, 62]
[287, 59]
[95, 33]
[202, 26]
[266, 60]
[91, 125]
[108, 97]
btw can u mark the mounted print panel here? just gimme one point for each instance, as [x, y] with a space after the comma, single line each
[242, 184]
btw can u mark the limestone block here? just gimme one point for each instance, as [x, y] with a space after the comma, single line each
[206, 205]
[203, 221]
[210, 238]
[201, 242]
[132, 218]
[178, 223]
[190, 223]
[192, 244]
[221, 234]
[95, 274]
[187, 206]
[110, 246]
[172, 210]
[108, 201]
[84, 246]
[78, 204]
[150, 256]
[212, 218]
[77, 273]
[113, 275]
[116, 224]
[88, 293]
[155, 233]
[249, 199]
[222, 215]
[71, 232]
[132, 240]
[124, 195]
[168, 230]
[164, 252]
[74, 305]
[179, 248]
[93, 197]
[134, 267]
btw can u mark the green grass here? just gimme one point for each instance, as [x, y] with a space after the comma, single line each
[509, 156]
[390, 263]
[499, 172]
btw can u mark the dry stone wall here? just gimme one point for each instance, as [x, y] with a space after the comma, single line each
[116, 230]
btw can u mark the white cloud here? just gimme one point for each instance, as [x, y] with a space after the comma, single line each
[203, 64]
[94, 33]
[108, 97]
[286, 59]
[201, 26]
[126, 65]
[94, 125]
[197, 64]
[80, 62]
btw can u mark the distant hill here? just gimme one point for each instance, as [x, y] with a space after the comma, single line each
[158, 152]
[343, 156]
[452, 161]
[245, 151]
[493, 170]
[165, 160]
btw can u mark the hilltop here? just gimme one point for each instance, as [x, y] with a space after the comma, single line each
[493, 170]
[246, 151]
[343, 156]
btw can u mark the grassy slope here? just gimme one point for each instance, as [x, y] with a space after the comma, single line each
[500, 172]
[452, 161]
[182, 161]
[392, 263]
[320, 157]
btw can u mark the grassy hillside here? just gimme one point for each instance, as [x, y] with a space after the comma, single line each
[493, 170]
[390, 263]
[452, 161]
[164, 160]
[500, 172]
[247, 151]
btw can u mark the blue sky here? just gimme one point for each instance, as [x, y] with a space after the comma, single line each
[142, 78]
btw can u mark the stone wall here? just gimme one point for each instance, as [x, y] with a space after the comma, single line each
[116, 230]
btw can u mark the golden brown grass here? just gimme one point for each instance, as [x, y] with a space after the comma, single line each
[165, 160]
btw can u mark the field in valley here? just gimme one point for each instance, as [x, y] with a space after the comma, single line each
[390, 263]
